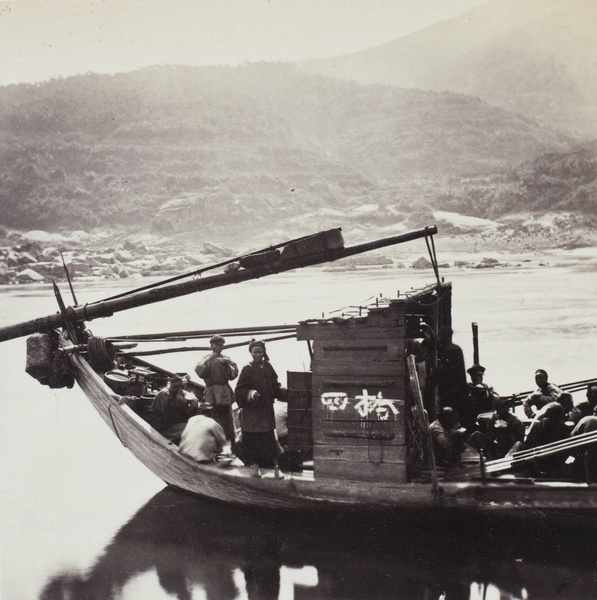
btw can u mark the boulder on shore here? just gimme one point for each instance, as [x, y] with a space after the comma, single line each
[421, 263]
[28, 275]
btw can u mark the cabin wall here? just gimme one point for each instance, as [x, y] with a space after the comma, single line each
[356, 435]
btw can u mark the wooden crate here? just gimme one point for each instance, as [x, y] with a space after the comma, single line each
[352, 439]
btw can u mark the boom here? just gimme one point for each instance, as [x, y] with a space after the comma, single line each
[292, 257]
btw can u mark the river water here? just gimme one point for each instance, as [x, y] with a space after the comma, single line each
[82, 519]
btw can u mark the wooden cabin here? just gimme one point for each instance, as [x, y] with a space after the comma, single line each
[355, 413]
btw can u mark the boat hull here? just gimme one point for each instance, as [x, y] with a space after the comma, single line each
[236, 485]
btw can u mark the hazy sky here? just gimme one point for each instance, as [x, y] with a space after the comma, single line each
[44, 39]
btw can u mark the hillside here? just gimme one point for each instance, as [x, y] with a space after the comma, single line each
[224, 151]
[535, 57]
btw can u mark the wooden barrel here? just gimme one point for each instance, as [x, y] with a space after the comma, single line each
[118, 381]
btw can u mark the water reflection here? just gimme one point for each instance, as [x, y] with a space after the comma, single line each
[184, 547]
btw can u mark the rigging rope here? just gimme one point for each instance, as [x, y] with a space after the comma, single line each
[201, 348]
[206, 333]
[432, 255]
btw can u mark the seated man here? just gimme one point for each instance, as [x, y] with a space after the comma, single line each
[546, 392]
[504, 430]
[171, 410]
[448, 438]
[565, 399]
[202, 438]
[585, 408]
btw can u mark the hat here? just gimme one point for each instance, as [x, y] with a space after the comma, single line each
[254, 343]
[217, 338]
[261, 343]
[476, 369]
[175, 379]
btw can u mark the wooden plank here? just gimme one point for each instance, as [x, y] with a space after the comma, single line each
[358, 437]
[302, 433]
[298, 380]
[303, 443]
[383, 417]
[373, 453]
[348, 331]
[360, 348]
[300, 417]
[346, 366]
[392, 316]
[298, 399]
[329, 467]
[339, 435]
[301, 446]
[352, 432]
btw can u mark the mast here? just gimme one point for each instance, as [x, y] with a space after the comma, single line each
[286, 261]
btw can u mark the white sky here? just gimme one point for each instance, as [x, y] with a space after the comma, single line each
[53, 38]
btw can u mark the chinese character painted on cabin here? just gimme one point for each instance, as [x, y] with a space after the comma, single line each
[378, 405]
[334, 400]
[383, 408]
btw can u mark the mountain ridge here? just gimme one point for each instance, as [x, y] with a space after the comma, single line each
[536, 58]
[221, 151]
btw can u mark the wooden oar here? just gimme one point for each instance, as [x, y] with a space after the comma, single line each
[564, 445]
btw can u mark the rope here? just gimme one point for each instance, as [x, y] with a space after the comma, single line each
[101, 352]
[432, 255]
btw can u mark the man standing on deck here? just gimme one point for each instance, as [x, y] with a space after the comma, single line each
[481, 396]
[217, 370]
[546, 393]
[450, 375]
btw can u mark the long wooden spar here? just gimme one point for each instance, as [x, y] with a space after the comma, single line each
[106, 308]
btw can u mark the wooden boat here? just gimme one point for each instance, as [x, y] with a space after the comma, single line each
[358, 418]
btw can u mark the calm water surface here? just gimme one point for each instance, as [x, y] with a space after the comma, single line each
[82, 519]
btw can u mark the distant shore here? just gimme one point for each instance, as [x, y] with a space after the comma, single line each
[40, 257]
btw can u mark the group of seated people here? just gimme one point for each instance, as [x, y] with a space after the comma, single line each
[258, 438]
[553, 417]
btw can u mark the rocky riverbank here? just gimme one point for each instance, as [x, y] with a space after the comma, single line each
[37, 257]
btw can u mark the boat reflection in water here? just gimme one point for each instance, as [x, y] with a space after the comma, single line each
[193, 548]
